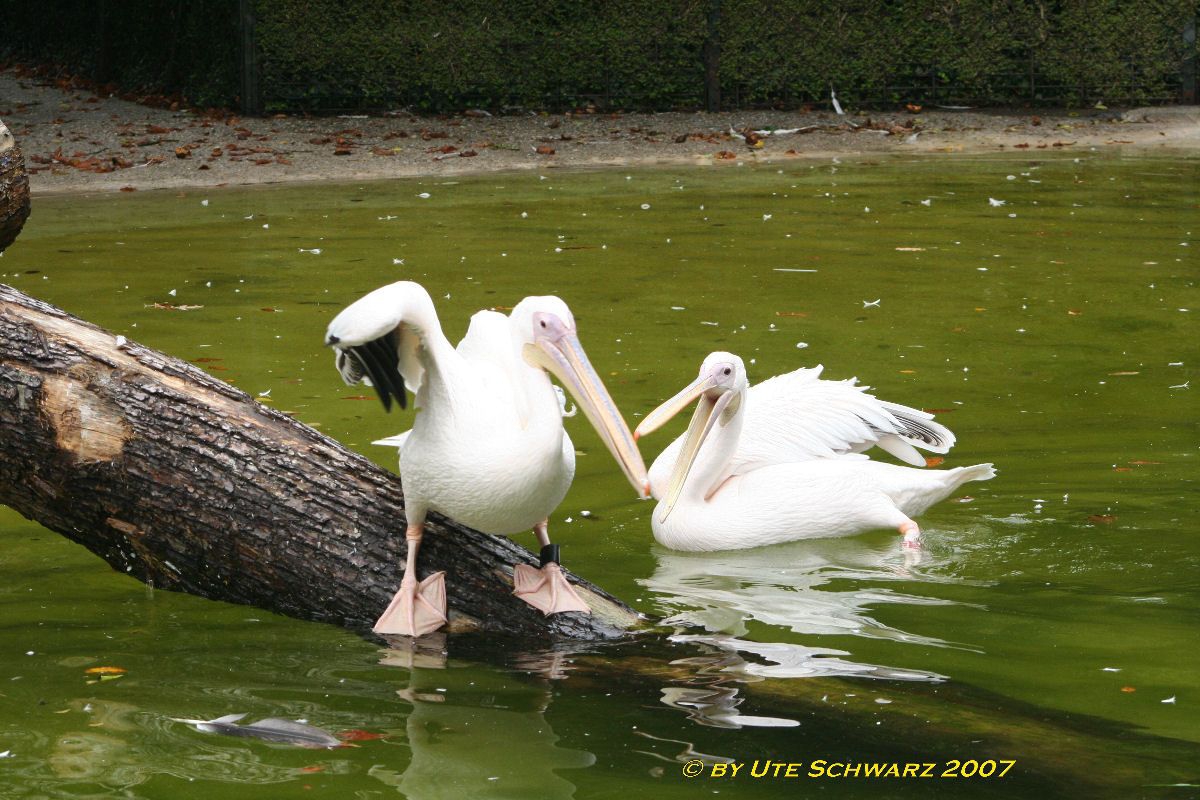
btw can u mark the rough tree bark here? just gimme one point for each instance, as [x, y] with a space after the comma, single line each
[14, 189]
[186, 482]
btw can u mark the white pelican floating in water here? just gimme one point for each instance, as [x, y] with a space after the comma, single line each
[782, 461]
[487, 447]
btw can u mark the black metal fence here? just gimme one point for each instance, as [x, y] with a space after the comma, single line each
[327, 55]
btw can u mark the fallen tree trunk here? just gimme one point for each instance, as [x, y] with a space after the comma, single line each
[14, 189]
[189, 484]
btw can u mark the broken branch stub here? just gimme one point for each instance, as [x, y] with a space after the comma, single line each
[14, 189]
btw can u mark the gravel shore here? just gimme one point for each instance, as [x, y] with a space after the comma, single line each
[75, 141]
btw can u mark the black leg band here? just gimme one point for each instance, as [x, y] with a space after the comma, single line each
[549, 554]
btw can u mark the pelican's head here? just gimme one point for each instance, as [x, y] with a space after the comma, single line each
[545, 330]
[541, 318]
[718, 391]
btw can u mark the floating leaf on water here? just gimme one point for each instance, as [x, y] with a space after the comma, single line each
[1128, 689]
[933, 461]
[105, 671]
[910, 249]
[1102, 519]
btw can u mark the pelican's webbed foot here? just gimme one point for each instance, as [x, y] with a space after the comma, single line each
[417, 609]
[546, 589]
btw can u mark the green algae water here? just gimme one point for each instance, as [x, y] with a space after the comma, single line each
[1045, 308]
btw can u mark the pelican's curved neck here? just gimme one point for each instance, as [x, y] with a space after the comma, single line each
[712, 462]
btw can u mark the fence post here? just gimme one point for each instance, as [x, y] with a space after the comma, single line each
[252, 104]
[712, 58]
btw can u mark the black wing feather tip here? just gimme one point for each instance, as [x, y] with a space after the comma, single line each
[381, 360]
[913, 429]
[392, 344]
[389, 355]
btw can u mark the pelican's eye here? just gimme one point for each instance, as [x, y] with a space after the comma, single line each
[542, 323]
[728, 371]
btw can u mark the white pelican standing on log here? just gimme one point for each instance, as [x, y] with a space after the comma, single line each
[782, 461]
[487, 447]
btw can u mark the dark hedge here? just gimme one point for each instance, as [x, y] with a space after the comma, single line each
[554, 54]
[139, 45]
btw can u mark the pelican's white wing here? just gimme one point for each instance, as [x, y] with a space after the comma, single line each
[489, 342]
[798, 417]
[377, 340]
[503, 375]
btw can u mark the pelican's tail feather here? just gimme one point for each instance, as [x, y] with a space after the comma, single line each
[978, 472]
[393, 441]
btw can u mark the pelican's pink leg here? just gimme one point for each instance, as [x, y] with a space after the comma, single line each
[546, 589]
[911, 533]
[419, 607]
